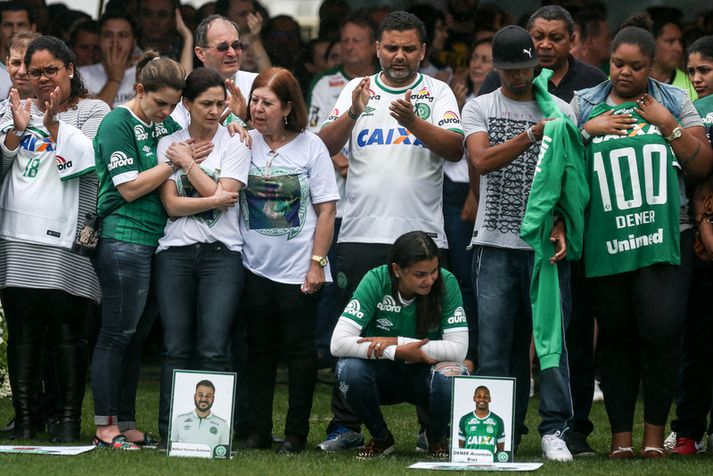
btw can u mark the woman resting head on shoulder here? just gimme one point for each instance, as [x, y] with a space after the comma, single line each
[410, 310]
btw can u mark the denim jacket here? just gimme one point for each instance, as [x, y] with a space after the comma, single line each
[671, 97]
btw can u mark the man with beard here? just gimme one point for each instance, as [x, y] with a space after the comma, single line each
[200, 425]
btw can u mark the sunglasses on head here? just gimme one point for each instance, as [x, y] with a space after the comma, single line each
[223, 47]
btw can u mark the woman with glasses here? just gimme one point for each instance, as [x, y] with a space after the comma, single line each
[199, 272]
[287, 219]
[129, 177]
[47, 291]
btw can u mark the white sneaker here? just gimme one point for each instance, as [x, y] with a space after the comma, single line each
[554, 448]
[670, 442]
[598, 395]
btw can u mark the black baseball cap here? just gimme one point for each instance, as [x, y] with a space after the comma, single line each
[513, 48]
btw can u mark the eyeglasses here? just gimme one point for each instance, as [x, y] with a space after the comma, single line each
[49, 72]
[223, 47]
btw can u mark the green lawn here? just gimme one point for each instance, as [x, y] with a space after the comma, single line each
[401, 420]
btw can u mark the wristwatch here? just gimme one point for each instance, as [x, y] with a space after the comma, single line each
[586, 137]
[321, 260]
[675, 134]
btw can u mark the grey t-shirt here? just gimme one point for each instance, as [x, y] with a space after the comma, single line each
[504, 192]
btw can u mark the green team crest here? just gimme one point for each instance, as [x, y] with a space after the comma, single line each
[422, 110]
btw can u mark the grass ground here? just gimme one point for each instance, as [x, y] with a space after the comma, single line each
[401, 419]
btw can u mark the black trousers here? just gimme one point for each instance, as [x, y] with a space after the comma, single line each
[641, 315]
[694, 393]
[280, 322]
[39, 316]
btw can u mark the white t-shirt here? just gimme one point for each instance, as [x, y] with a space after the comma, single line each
[395, 183]
[322, 98]
[230, 158]
[243, 81]
[277, 216]
[504, 192]
[94, 77]
[5, 83]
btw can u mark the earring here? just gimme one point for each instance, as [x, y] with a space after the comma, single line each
[71, 76]
[285, 118]
[398, 276]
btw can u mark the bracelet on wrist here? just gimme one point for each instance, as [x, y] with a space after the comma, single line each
[353, 116]
[531, 135]
[190, 167]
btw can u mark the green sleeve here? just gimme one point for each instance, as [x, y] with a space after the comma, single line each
[362, 307]
[453, 315]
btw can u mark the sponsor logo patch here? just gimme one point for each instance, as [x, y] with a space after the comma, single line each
[354, 309]
[119, 159]
[389, 305]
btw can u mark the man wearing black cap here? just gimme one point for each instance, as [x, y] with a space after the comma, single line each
[552, 30]
[503, 132]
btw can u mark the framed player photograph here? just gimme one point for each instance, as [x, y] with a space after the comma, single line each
[482, 422]
[202, 405]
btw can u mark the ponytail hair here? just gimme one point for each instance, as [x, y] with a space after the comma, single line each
[156, 72]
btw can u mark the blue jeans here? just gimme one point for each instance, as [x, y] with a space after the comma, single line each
[198, 288]
[124, 272]
[368, 384]
[460, 258]
[502, 285]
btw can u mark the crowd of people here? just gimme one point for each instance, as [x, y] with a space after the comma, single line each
[439, 188]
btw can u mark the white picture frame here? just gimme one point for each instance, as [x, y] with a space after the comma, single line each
[191, 435]
[480, 438]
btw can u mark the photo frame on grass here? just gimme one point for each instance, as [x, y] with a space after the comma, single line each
[202, 406]
[482, 419]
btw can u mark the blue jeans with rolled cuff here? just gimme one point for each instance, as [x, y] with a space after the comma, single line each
[368, 384]
[198, 288]
[124, 272]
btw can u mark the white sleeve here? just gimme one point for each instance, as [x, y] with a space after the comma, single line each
[474, 115]
[344, 342]
[236, 160]
[322, 182]
[452, 348]
[344, 102]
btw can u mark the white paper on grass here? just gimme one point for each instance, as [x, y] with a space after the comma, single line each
[47, 450]
[445, 466]
[193, 450]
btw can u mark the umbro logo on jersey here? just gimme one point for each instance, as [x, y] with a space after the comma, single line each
[147, 151]
[384, 324]
[388, 305]
[354, 309]
[119, 159]
[458, 316]
[368, 111]
[140, 133]
[63, 163]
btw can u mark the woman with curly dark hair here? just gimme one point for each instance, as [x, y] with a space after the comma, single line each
[46, 290]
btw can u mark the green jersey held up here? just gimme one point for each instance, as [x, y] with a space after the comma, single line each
[633, 216]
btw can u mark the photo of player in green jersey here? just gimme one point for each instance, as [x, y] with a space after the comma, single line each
[482, 419]
[481, 429]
